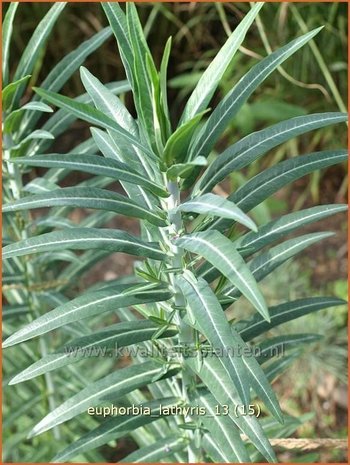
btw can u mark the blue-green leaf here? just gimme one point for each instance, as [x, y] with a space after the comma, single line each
[211, 77]
[112, 337]
[116, 427]
[253, 146]
[111, 240]
[88, 305]
[95, 165]
[219, 250]
[157, 451]
[282, 313]
[112, 386]
[214, 205]
[35, 46]
[93, 116]
[211, 320]
[233, 101]
[86, 197]
[7, 28]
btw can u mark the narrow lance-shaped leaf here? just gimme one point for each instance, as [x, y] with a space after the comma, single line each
[276, 229]
[62, 119]
[217, 381]
[60, 74]
[276, 346]
[214, 205]
[115, 147]
[88, 305]
[261, 386]
[211, 77]
[268, 261]
[222, 429]
[115, 428]
[35, 46]
[7, 28]
[163, 85]
[142, 80]
[253, 146]
[244, 370]
[113, 337]
[272, 231]
[37, 134]
[219, 251]
[266, 183]
[207, 312]
[107, 102]
[269, 181]
[112, 386]
[213, 450]
[93, 116]
[117, 20]
[282, 313]
[233, 101]
[85, 239]
[86, 197]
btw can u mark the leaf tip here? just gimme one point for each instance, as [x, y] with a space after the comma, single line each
[16, 379]
[32, 433]
[8, 342]
[253, 226]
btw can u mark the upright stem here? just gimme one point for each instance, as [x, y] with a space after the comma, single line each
[15, 184]
[186, 336]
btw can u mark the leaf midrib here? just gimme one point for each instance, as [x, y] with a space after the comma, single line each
[262, 142]
[291, 223]
[271, 259]
[239, 95]
[277, 315]
[273, 179]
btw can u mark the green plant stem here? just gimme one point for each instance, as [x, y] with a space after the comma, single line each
[15, 183]
[186, 336]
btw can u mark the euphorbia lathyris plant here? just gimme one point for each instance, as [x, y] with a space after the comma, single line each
[201, 253]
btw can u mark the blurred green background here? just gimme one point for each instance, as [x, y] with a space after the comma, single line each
[315, 81]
